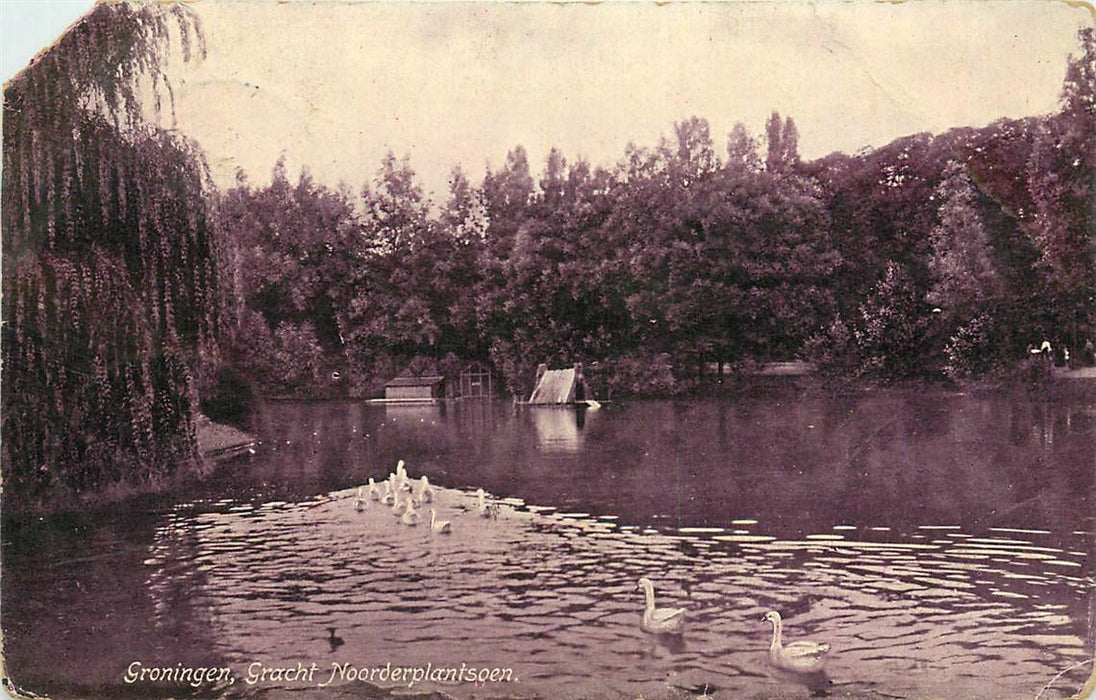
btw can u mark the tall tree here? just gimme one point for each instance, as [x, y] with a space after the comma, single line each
[399, 302]
[1063, 187]
[465, 220]
[396, 209]
[789, 144]
[465, 213]
[891, 329]
[964, 275]
[110, 281]
[773, 131]
[742, 153]
[966, 287]
[693, 155]
[554, 181]
[292, 249]
[508, 192]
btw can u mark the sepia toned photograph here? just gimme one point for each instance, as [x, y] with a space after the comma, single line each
[737, 350]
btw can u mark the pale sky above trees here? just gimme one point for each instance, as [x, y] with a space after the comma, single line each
[336, 84]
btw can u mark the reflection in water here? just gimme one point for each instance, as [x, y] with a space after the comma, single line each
[935, 552]
[412, 414]
[558, 429]
[962, 614]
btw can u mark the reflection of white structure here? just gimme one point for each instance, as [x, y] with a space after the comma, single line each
[557, 430]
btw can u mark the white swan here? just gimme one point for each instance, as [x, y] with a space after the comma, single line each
[374, 492]
[426, 493]
[389, 497]
[486, 510]
[659, 620]
[400, 508]
[399, 478]
[411, 516]
[440, 526]
[802, 657]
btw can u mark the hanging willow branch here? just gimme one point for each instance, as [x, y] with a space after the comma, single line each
[109, 273]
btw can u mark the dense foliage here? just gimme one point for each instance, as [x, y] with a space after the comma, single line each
[931, 257]
[109, 286]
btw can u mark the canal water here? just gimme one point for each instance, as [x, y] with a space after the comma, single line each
[941, 544]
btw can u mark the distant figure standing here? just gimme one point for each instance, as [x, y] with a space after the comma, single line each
[1047, 355]
[1088, 356]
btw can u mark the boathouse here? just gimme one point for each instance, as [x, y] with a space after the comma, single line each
[414, 388]
[559, 386]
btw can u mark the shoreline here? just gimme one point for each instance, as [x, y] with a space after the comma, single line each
[1063, 384]
[216, 443]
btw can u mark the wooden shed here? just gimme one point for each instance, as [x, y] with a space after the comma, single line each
[414, 388]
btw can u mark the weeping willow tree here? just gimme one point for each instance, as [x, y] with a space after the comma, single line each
[109, 275]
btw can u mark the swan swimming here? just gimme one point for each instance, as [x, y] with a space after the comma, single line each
[486, 510]
[440, 526]
[426, 494]
[803, 657]
[659, 620]
[400, 508]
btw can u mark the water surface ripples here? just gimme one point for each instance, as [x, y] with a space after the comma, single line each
[941, 545]
[552, 594]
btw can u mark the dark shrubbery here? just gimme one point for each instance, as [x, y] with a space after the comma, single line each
[229, 398]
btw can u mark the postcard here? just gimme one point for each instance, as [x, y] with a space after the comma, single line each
[574, 351]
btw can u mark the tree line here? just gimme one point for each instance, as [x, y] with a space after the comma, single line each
[933, 257]
[135, 292]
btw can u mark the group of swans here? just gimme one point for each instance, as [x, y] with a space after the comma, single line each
[405, 496]
[798, 657]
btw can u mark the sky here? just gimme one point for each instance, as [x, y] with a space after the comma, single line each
[334, 85]
[28, 26]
